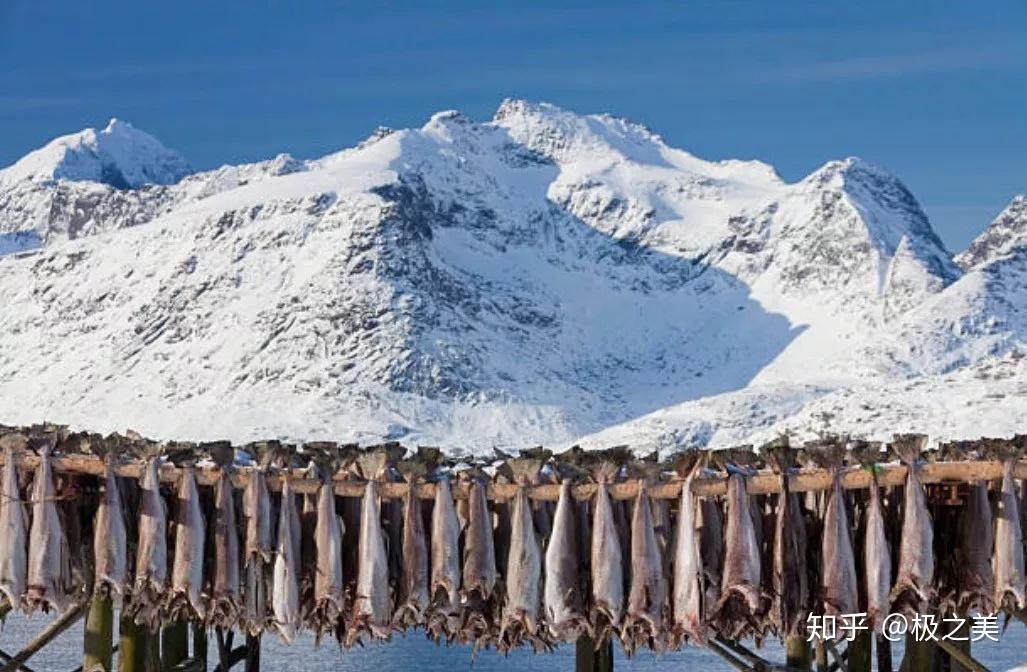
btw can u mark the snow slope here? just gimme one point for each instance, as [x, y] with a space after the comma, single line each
[536, 278]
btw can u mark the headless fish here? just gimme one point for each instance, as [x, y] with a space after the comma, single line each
[445, 564]
[839, 585]
[225, 605]
[372, 607]
[110, 540]
[687, 596]
[479, 572]
[1008, 563]
[13, 533]
[711, 548]
[524, 573]
[790, 580]
[742, 603]
[607, 566]
[562, 597]
[151, 578]
[187, 571]
[45, 588]
[977, 539]
[913, 585]
[647, 600]
[258, 552]
[329, 592]
[877, 560]
[414, 586]
[285, 587]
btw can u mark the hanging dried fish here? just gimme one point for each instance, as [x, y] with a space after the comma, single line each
[329, 591]
[110, 540]
[687, 595]
[606, 561]
[225, 606]
[444, 619]
[285, 588]
[839, 586]
[876, 552]
[647, 600]
[563, 600]
[742, 605]
[151, 579]
[258, 553]
[186, 600]
[479, 575]
[790, 578]
[13, 533]
[372, 608]
[414, 598]
[45, 587]
[1008, 563]
[913, 586]
[711, 548]
[519, 621]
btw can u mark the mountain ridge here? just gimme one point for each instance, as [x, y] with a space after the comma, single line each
[535, 278]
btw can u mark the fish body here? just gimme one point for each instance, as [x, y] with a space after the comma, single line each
[975, 578]
[647, 599]
[13, 534]
[187, 571]
[151, 577]
[686, 608]
[285, 587]
[46, 581]
[562, 597]
[444, 618]
[329, 591]
[372, 606]
[1008, 563]
[258, 552]
[479, 569]
[711, 548]
[914, 583]
[225, 607]
[877, 560]
[524, 573]
[414, 587]
[790, 579]
[110, 539]
[839, 584]
[742, 605]
[606, 562]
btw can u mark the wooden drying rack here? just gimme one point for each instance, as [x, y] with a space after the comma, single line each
[762, 482]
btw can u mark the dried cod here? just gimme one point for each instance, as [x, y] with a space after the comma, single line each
[329, 591]
[742, 605]
[520, 617]
[47, 561]
[372, 608]
[562, 597]
[790, 578]
[225, 603]
[259, 553]
[186, 599]
[110, 539]
[285, 587]
[913, 589]
[151, 577]
[1008, 563]
[686, 606]
[13, 533]
[444, 616]
[414, 598]
[479, 572]
[839, 586]
[606, 561]
[647, 599]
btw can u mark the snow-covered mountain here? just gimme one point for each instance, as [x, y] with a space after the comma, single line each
[536, 278]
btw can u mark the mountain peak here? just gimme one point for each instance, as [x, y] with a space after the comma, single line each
[1006, 233]
[119, 155]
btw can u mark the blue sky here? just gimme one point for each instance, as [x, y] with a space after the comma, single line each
[936, 92]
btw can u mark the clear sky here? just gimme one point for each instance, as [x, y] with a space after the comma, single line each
[934, 91]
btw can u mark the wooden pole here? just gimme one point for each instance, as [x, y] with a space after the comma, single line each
[588, 659]
[797, 653]
[962, 657]
[131, 645]
[174, 644]
[919, 655]
[97, 647]
[200, 644]
[883, 645]
[859, 651]
[6, 657]
[252, 653]
[820, 655]
[51, 632]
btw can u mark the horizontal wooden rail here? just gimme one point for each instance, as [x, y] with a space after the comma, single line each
[763, 482]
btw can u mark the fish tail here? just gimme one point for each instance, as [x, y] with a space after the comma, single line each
[908, 447]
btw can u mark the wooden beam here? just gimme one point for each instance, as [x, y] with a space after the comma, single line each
[763, 482]
[49, 633]
[589, 659]
[174, 644]
[962, 657]
[6, 657]
[798, 654]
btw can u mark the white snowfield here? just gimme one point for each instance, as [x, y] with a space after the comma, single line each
[540, 278]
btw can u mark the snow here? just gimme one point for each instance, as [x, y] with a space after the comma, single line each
[543, 277]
